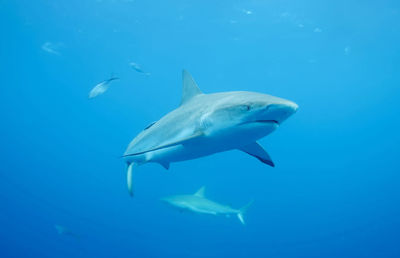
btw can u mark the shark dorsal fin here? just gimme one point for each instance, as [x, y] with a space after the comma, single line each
[200, 192]
[190, 88]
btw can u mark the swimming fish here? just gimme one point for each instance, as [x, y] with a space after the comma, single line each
[101, 87]
[137, 68]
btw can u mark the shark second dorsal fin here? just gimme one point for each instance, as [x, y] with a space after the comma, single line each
[190, 88]
[200, 192]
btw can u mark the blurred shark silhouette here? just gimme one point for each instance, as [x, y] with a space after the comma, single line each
[198, 203]
[61, 230]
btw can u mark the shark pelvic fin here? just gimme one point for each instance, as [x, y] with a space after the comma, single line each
[164, 164]
[181, 141]
[190, 88]
[200, 192]
[129, 179]
[256, 150]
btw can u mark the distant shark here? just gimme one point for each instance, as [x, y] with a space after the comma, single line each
[61, 230]
[205, 124]
[199, 204]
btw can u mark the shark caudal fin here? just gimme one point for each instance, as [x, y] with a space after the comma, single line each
[242, 211]
[129, 178]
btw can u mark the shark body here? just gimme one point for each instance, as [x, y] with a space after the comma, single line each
[198, 203]
[61, 230]
[205, 124]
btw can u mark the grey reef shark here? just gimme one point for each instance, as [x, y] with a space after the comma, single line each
[198, 203]
[205, 124]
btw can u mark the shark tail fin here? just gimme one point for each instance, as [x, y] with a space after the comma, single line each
[242, 211]
[129, 178]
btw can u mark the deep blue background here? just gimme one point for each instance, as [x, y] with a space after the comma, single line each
[334, 192]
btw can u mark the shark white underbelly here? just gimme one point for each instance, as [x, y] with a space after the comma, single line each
[196, 149]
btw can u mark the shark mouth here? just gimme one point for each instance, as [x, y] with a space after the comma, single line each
[266, 121]
[262, 121]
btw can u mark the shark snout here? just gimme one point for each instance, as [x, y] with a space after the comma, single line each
[279, 112]
[290, 107]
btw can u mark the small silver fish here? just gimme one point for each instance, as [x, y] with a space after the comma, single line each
[101, 88]
[137, 68]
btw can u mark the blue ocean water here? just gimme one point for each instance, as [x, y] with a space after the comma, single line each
[333, 193]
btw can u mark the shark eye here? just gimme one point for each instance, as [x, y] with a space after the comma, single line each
[246, 107]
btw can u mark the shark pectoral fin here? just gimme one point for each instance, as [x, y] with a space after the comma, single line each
[254, 149]
[129, 179]
[185, 140]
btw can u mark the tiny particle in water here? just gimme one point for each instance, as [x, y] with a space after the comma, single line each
[317, 30]
[52, 48]
[248, 12]
[347, 50]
